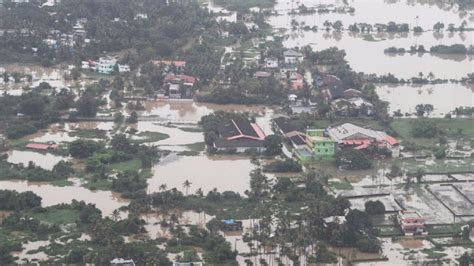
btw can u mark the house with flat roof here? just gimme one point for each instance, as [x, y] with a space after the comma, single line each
[321, 144]
[239, 135]
[292, 57]
[271, 62]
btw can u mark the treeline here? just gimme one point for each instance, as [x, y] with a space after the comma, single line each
[15, 201]
[438, 49]
[62, 170]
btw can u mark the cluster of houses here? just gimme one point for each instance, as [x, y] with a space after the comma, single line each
[342, 101]
[316, 144]
[286, 70]
[105, 65]
[175, 84]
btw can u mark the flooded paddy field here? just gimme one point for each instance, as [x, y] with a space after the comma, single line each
[454, 199]
[51, 195]
[444, 97]
[365, 51]
[44, 160]
[204, 172]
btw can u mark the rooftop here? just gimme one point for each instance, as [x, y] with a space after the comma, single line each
[284, 124]
[239, 128]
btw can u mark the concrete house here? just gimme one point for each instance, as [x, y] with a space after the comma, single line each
[271, 62]
[292, 57]
[321, 144]
[411, 222]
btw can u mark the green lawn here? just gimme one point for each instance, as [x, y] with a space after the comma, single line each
[198, 146]
[453, 128]
[344, 185]
[89, 133]
[57, 216]
[132, 165]
[441, 166]
[191, 129]
[148, 136]
[433, 253]
[101, 184]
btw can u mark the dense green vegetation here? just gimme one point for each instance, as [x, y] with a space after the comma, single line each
[242, 5]
[62, 170]
[111, 26]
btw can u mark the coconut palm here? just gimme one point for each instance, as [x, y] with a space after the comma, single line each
[163, 187]
[186, 185]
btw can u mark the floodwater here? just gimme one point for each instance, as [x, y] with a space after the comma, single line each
[365, 53]
[54, 76]
[377, 11]
[188, 111]
[44, 160]
[155, 230]
[29, 247]
[444, 97]
[369, 57]
[226, 173]
[177, 136]
[106, 201]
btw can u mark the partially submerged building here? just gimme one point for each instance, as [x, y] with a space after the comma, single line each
[348, 135]
[239, 135]
[412, 223]
[322, 146]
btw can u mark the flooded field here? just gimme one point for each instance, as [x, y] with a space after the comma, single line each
[43, 160]
[365, 52]
[204, 172]
[106, 201]
[444, 97]
[54, 76]
[156, 230]
[28, 253]
[380, 11]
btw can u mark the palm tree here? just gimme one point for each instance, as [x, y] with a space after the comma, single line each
[115, 215]
[163, 187]
[187, 185]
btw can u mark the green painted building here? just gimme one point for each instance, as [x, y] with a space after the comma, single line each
[322, 145]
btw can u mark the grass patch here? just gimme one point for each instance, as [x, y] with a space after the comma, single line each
[453, 128]
[191, 129]
[433, 253]
[101, 184]
[244, 4]
[198, 146]
[341, 185]
[445, 229]
[441, 166]
[53, 215]
[62, 183]
[89, 133]
[148, 136]
[132, 165]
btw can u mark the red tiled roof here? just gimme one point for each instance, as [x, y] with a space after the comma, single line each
[391, 140]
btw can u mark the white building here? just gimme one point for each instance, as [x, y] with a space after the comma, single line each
[271, 62]
[123, 68]
[292, 57]
[106, 65]
[175, 91]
